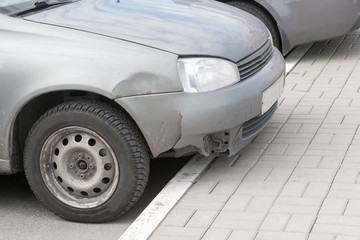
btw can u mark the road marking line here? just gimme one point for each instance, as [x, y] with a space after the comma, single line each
[146, 223]
[294, 57]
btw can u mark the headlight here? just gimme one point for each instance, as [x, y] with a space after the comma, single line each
[206, 74]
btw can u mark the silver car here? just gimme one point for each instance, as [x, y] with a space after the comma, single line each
[299, 21]
[91, 90]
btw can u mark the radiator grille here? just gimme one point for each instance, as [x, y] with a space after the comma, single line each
[256, 61]
[255, 124]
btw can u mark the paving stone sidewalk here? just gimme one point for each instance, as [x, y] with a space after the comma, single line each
[299, 179]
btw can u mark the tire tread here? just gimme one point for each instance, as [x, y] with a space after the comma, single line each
[124, 126]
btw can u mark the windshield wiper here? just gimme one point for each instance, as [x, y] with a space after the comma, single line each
[47, 3]
[38, 5]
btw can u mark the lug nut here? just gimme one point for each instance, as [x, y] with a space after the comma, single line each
[71, 165]
[82, 175]
[91, 166]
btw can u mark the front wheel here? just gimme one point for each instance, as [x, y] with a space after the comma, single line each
[86, 161]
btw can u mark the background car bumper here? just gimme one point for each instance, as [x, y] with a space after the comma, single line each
[357, 24]
[194, 121]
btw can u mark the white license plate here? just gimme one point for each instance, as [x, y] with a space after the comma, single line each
[272, 94]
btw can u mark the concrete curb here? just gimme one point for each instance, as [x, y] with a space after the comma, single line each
[162, 204]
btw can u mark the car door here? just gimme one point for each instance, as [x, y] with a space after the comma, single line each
[305, 21]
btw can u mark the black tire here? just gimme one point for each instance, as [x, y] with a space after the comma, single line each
[123, 157]
[263, 16]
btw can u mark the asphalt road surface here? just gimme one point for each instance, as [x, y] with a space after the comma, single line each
[24, 217]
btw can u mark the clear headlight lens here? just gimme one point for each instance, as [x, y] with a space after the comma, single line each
[206, 74]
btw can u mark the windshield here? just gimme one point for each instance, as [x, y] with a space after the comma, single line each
[7, 3]
[11, 7]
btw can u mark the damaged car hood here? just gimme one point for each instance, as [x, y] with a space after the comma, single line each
[182, 27]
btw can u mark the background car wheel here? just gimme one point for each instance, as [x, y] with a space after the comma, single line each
[263, 16]
[86, 161]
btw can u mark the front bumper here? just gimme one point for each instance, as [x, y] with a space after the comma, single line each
[357, 24]
[205, 121]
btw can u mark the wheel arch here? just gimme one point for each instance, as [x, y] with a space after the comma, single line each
[31, 111]
[264, 6]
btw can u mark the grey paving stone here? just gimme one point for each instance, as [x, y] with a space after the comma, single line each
[280, 236]
[291, 139]
[345, 190]
[217, 234]
[295, 149]
[344, 139]
[323, 138]
[316, 146]
[325, 152]
[346, 238]
[300, 223]
[311, 128]
[275, 222]
[159, 237]
[277, 118]
[350, 162]
[279, 174]
[316, 190]
[347, 175]
[205, 198]
[279, 158]
[338, 128]
[313, 175]
[225, 173]
[330, 162]
[246, 160]
[354, 151]
[339, 220]
[225, 187]
[258, 174]
[353, 208]
[243, 235]
[185, 232]
[238, 220]
[310, 161]
[276, 164]
[237, 203]
[338, 225]
[178, 217]
[334, 118]
[333, 206]
[260, 204]
[225, 161]
[321, 236]
[294, 189]
[259, 188]
[276, 149]
[264, 137]
[304, 119]
[290, 128]
[202, 219]
[203, 186]
[193, 204]
[290, 205]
